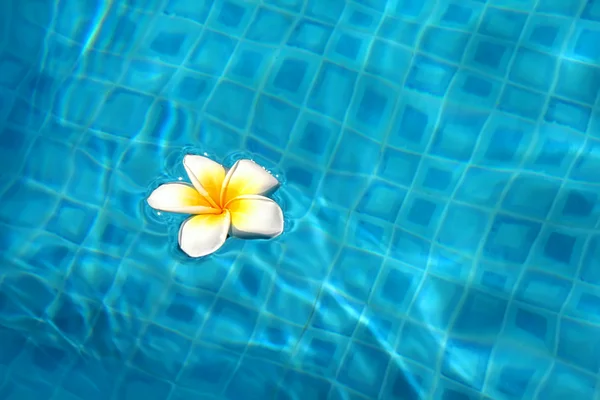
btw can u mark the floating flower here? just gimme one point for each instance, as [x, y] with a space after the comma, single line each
[223, 203]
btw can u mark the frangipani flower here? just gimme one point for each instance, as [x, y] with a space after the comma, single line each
[222, 202]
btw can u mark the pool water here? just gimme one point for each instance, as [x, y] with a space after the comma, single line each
[440, 162]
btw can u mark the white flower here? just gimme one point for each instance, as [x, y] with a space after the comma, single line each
[222, 202]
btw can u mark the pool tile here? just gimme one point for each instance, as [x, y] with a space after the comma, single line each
[310, 35]
[359, 18]
[348, 48]
[78, 99]
[15, 70]
[149, 355]
[221, 320]
[438, 176]
[461, 228]
[185, 309]
[546, 33]
[399, 31]
[321, 352]
[249, 64]
[121, 31]
[489, 55]
[364, 157]
[459, 14]
[170, 40]
[457, 133]
[292, 75]
[577, 206]
[474, 371]
[419, 344]
[474, 89]
[407, 9]
[429, 76]
[447, 389]
[314, 137]
[212, 53]
[372, 108]
[363, 369]
[522, 102]
[502, 23]
[481, 315]
[510, 239]
[389, 61]
[236, 114]
[555, 151]
[296, 382]
[292, 299]
[531, 196]
[387, 295]
[208, 368]
[410, 249]
[581, 45]
[436, 302]
[573, 336]
[329, 13]
[420, 214]
[544, 290]
[273, 120]
[191, 88]
[378, 328]
[355, 273]
[332, 184]
[587, 163]
[278, 339]
[565, 380]
[591, 12]
[230, 17]
[332, 91]
[123, 112]
[398, 166]
[589, 270]
[80, 218]
[560, 251]
[522, 73]
[49, 152]
[578, 82]
[447, 44]
[559, 8]
[505, 142]
[269, 26]
[449, 264]
[196, 11]
[415, 120]
[381, 200]
[513, 375]
[337, 314]
[520, 5]
[583, 303]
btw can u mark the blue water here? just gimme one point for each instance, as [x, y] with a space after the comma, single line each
[440, 162]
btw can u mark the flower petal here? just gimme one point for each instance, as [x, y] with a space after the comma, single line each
[247, 178]
[206, 175]
[255, 216]
[201, 235]
[179, 198]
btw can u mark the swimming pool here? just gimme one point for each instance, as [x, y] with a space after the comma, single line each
[440, 178]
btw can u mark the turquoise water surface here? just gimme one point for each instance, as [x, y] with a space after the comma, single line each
[440, 162]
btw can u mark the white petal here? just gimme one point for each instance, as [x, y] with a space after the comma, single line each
[247, 178]
[179, 198]
[206, 175]
[201, 235]
[255, 216]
